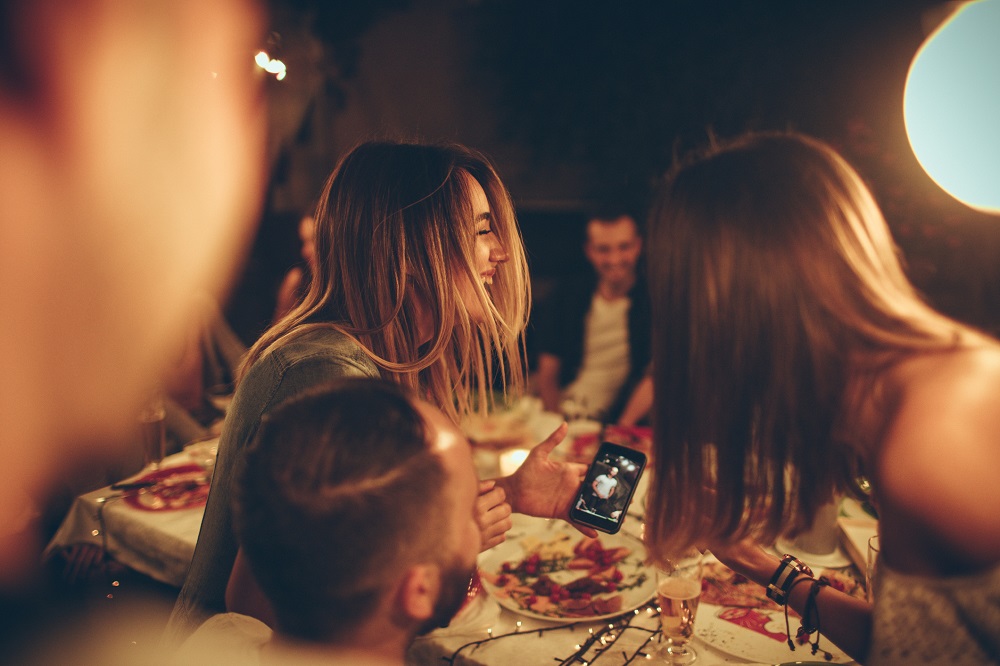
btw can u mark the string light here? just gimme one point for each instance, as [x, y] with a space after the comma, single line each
[599, 640]
[271, 65]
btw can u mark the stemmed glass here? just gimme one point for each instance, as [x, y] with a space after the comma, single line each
[678, 589]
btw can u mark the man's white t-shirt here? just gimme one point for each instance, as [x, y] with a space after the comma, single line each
[604, 485]
[605, 364]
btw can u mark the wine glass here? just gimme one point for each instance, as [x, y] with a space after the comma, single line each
[678, 589]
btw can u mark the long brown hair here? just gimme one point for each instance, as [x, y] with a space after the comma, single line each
[395, 221]
[775, 285]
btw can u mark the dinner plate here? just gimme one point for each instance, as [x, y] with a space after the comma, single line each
[532, 531]
[756, 634]
[171, 489]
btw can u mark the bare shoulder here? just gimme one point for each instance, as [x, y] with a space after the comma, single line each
[939, 459]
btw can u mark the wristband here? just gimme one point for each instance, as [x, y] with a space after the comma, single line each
[788, 570]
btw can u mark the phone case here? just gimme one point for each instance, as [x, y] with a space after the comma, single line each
[608, 487]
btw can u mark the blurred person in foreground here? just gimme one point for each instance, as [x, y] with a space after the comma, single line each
[790, 349]
[326, 500]
[130, 176]
[421, 279]
[593, 336]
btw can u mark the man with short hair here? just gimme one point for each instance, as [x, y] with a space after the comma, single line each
[594, 334]
[605, 484]
[355, 512]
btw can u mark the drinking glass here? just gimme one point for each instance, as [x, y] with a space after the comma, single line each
[153, 433]
[871, 570]
[678, 589]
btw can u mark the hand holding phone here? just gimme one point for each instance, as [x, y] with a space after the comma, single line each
[608, 487]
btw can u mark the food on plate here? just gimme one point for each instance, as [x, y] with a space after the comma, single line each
[566, 576]
[181, 487]
[724, 587]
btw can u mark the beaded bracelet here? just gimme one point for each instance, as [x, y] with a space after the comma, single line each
[784, 576]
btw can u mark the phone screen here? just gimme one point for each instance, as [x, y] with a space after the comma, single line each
[608, 487]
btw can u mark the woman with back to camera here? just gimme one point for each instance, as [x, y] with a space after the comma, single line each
[792, 357]
[420, 277]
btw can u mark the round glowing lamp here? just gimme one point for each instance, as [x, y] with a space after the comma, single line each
[951, 105]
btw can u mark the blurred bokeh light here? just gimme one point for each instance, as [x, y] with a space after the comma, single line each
[951, 105]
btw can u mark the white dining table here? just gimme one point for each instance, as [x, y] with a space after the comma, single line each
[485, 633]
[159, 544]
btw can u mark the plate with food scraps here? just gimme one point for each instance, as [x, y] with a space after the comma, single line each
[548, 570]
[168, 489]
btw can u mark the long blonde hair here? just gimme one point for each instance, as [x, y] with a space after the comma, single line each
[395, 222]
[775, 285]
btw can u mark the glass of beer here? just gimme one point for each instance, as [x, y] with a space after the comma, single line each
[678, 589]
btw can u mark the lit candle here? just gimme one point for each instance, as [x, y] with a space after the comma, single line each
[510, 460]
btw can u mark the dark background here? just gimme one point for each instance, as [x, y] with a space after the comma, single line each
[580, 102]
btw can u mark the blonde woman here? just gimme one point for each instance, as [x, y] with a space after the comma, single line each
[421, 278]
[792, 357]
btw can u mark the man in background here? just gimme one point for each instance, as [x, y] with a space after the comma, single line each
[604, 487]
[360, 531]
[593, 336]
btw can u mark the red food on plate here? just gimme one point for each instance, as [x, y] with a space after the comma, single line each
[173, 488]
[595, 593]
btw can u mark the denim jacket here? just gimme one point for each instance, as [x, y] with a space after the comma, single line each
[308, 360]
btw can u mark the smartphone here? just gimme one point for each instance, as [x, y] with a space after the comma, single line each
[608, 487]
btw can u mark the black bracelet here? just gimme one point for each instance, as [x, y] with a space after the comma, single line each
[788, 629]
[810, 618]
[784, 576]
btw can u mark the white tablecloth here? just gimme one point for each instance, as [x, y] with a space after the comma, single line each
[159, 544]
[487, 634]
[507, 643]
